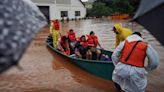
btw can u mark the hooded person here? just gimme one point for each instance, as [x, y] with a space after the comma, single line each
[121, 33]
[130, 73]
[55, 31]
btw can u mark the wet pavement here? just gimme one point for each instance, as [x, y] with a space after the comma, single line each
[46, 72]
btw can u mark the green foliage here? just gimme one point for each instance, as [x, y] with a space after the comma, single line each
[105, 8]
[99, 9]
[122, 6]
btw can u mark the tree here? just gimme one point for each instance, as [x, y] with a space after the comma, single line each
[99, 9]
[122, 6]
[108, 7]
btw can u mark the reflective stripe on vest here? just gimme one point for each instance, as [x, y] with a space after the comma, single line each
[134, 55]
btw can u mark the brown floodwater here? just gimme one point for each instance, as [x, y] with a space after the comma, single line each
[45, 71]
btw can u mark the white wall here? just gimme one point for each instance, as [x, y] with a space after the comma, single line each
[63, 1]
[44, 1]
[78, 6]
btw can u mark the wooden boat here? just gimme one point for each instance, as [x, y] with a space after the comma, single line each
[103, 69]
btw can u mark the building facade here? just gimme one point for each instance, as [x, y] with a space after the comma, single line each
[61, 9]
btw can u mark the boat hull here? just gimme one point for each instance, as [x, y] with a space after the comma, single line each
[103, 69]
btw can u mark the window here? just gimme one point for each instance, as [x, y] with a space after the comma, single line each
[64, 13]
[77, 13]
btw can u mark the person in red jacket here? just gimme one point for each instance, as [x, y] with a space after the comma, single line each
[93, 43]
[81, 47]
[63, 45]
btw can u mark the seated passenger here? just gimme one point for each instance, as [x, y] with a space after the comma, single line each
[71, 40]
[93, 43]
[72, 37]
[63, 45]
[81, 47]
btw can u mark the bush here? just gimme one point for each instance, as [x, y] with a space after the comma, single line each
[104, 8]
[122, 6]
[99, 9]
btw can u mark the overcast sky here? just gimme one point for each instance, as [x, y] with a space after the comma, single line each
[84, 0]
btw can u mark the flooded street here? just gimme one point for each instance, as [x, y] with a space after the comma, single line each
[45, 72]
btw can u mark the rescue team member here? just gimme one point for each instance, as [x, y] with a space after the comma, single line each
[130, 73]
[63, 45]
[92, 44]
[121, 33]
[55, 31]
[72, 40]
[81, 47]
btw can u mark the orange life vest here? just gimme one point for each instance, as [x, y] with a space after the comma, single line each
[56, 25]
[72, 37]
[134, 55]
[93, 40]
[84, 43]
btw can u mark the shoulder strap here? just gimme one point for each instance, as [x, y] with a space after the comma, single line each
[132, 51]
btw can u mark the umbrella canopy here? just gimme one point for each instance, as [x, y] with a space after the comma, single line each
[20, 20]
[151, 15]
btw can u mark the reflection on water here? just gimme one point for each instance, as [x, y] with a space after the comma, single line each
[80, 76]
[44, 71]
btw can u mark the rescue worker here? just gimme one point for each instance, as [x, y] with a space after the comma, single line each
[72, 40]
[55, 31]
[92, 44]
[63, 46]
[81, 47]
[121, 33]
[130, 73]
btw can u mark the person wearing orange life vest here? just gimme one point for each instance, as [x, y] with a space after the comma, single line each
[63, 45]
[81, 48]
[130, 73]
[93, 43]
[55, 31]
[72, 35]
[72, 39]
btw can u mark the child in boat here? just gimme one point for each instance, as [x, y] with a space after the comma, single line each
[81, 47]
[63, 45]
[92, 44]
[71, 40]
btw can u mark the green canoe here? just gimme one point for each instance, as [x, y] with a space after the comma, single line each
[103, 69]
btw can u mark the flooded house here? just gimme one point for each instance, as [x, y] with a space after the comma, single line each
[61, 9]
